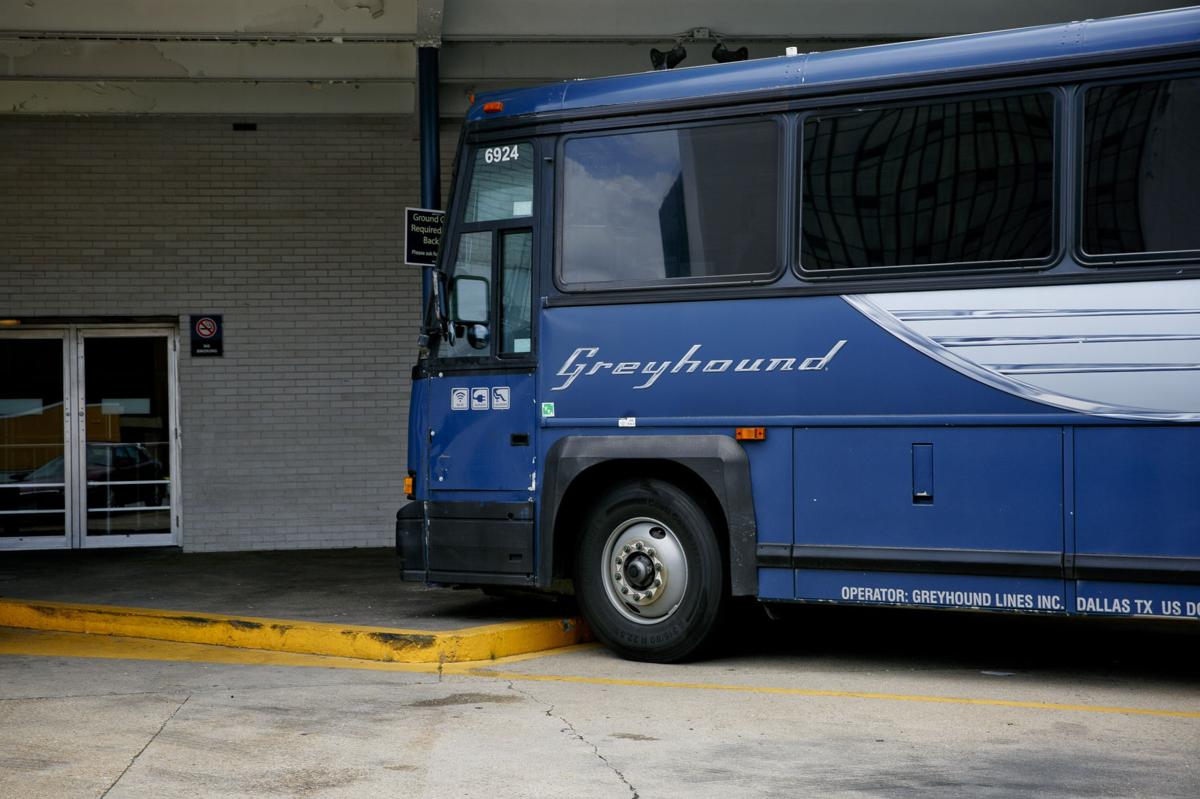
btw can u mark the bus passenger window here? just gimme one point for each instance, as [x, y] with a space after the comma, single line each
[1141, 166]
[964, 182]
[501, 183]
[664, 205]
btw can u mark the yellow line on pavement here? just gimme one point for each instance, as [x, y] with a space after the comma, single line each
[54, 644]
[812, 692]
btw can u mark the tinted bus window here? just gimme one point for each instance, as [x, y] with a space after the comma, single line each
[1141, 167]
[501, 183]
[960, 182]
[696, 202]
[516, 301]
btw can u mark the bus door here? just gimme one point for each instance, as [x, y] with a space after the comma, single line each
[480, 398]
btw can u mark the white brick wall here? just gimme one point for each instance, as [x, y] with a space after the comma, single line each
[296, 437]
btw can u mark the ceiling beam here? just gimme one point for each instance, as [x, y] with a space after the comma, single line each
[263, 19]
[195, 60]
[430, 17]
[662, 20]
[461, 63]
[358, 56]
[210, 97]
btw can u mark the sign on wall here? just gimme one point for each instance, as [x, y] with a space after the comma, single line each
[422, 235]
[207, 335]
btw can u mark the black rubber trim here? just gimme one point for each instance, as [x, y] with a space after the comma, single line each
[775, 556]
[926, 561]
[510, 511]
[431, 367]
[476, 578]
[1063, 273]
[1138, 569]
[410, 540]
[717, 460]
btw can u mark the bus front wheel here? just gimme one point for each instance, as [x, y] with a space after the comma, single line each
[649, 574]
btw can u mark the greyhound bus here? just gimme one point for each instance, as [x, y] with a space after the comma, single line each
[912, 325]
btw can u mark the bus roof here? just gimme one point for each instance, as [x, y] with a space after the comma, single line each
[1021, 49]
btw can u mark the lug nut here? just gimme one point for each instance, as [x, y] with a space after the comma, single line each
[619, 560]
[657, 582]
[617, 576]
[638, 545]
[650, 551]
[624, 590]
[626, 548]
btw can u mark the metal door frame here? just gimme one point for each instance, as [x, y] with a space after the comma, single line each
[67, 539]
[81, 538]
[75, 437]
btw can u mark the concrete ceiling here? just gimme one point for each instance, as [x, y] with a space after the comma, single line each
[358, 56]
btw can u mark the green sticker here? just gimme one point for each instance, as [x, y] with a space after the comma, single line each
[547, 410]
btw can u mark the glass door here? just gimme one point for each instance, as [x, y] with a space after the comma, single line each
[126, 450]
[88, 434]
[35, 462]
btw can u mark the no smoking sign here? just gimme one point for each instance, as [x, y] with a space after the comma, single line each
[207, 336]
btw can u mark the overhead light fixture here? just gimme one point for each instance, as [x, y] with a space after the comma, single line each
[10, 322]
[668, 60]
[723, 55]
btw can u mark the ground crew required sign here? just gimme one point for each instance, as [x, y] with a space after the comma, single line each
[422, 236]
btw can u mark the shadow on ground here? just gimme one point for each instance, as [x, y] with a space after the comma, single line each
[343, 586]
[920, 639]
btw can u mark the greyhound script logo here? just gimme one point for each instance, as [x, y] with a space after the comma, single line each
[584, 363]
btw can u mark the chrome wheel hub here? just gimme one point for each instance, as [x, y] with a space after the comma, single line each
[645, 570]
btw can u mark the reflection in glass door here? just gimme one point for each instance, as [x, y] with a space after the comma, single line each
[34, 457]
[87, 438]
[126, 437]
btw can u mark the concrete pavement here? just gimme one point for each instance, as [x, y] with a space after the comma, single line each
[878, 704]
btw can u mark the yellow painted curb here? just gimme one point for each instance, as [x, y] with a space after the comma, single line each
[487, 642]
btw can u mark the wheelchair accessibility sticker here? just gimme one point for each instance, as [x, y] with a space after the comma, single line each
[501, 398]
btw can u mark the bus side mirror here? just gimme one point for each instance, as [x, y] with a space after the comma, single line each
[471, 301]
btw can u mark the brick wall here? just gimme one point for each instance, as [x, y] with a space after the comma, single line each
[296, 437]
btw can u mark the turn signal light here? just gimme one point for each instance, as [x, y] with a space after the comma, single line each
[493, 107]
[750, 434]
[408, 487]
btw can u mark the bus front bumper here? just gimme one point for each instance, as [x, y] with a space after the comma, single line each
[466, 543]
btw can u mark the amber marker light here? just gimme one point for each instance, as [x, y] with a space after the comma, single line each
[493, 107]
[10, 322]
[408, 487]
[750, 433]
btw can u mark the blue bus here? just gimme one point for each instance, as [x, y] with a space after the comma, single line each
[911, 325]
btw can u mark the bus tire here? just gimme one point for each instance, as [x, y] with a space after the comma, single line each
[649, 574]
